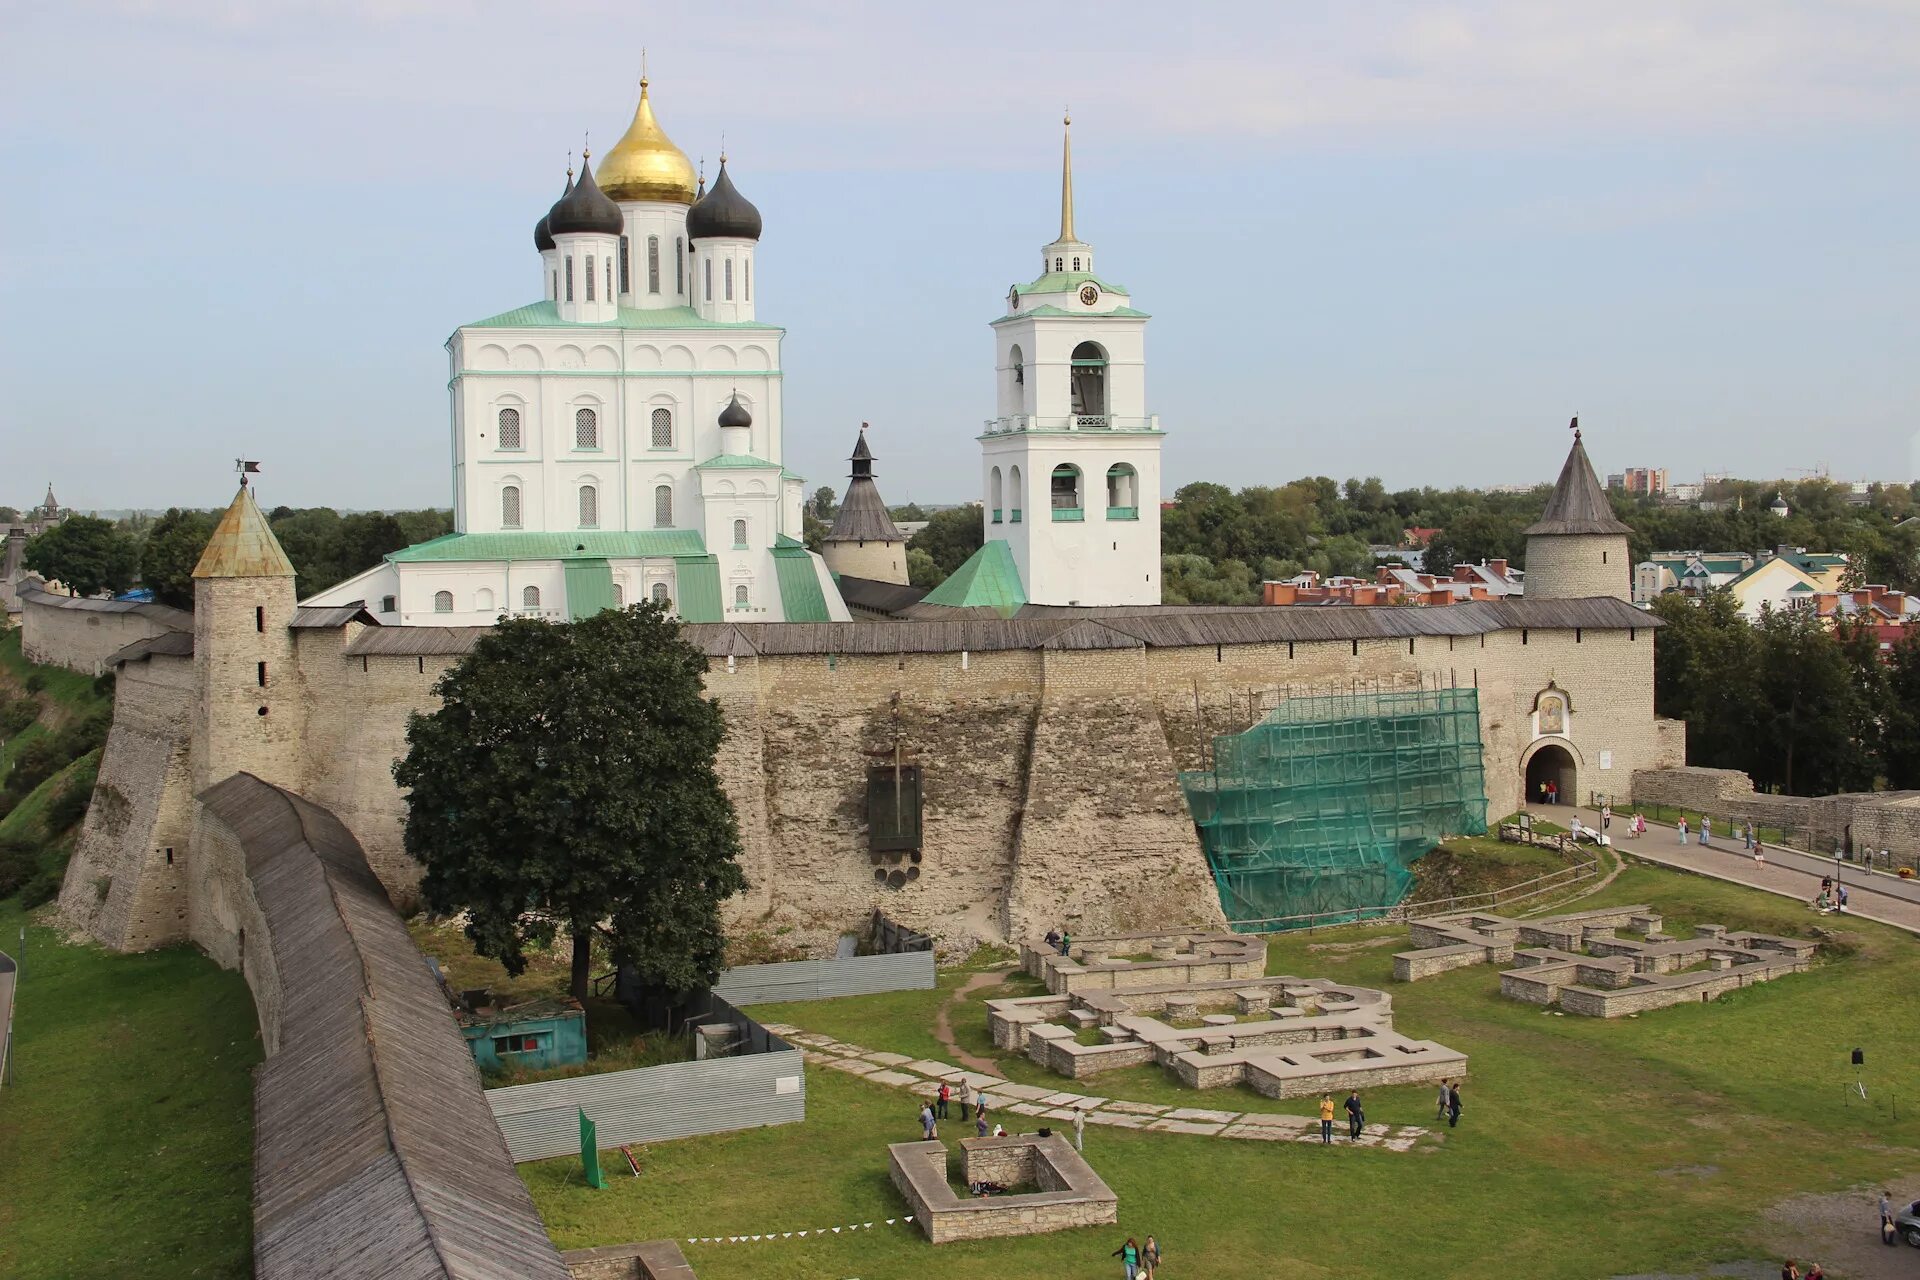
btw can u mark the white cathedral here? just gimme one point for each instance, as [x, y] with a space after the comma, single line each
[620, 439]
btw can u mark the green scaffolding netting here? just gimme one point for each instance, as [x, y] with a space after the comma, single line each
[1314, 813]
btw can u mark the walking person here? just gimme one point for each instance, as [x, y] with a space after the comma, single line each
[1840, 899]
[1606, 815]
[1553, 792]
[979, 1101]
[1149, 1258]
[1681, 827]
[1887, 1234]
[942, 1099]
[1440, 1103]
[1326, 1119]
[1129, 1255]
[1706, 830]
[1639, 827]
[1746, 837]
[1356, 1116]
[980, 1123]
[1759, 852]
[927, 1130]
[1453, 1107]
[1079, 1129]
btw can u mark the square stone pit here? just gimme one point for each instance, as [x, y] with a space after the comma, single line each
[1070, 1193]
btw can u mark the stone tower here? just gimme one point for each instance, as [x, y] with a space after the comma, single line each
[864, 541]
[250, 705]
[1577, 549]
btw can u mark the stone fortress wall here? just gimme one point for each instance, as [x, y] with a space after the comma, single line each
[1048, 769]
[1859, 820]
[82, 634]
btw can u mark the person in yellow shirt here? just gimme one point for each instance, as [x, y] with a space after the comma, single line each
[1326, 1119]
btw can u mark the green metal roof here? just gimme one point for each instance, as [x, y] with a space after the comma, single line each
[989, 578]
[788, 540]
[589, 587]
[736, 462]
[545, 315]
[698, 581]
[585, 544]
[1048, 309]
[800, 596]
[1068, 281]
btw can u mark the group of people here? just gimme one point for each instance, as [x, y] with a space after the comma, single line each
[1060, 940]
[1448, 1110]
[1140, 1260]
[931, 1113]
[1832, 896]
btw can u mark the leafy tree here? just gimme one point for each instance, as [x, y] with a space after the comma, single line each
[950, 537]
[171, 550]
[567, 782]
[85, 554]
[922, 572]
[1703, 673]
[424, 525]
[9, 515]
[1474, 536]
[824, 503]
[1900, 750]
[1810, 709]
[910, 512]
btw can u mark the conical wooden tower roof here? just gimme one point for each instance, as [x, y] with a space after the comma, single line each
[243, 545]
[1578, 505]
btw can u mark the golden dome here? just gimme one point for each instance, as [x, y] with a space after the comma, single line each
[644, 164]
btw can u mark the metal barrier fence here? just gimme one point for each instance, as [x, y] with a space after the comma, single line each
[650, 1104]
[888, 938]
[825, 979]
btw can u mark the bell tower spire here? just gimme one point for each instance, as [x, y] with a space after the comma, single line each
[1066, 178]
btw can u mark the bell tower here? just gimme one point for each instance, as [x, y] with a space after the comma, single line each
[1070, 464]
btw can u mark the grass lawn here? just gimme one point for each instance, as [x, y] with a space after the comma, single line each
[1587, 1149]
[69, 689]
[126, 1137]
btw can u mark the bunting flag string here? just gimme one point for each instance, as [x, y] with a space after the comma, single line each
[798, 1235]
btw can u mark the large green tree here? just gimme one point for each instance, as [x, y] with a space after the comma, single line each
[172, 549]
[950, 537]
[86, 555]
[1900, 749]
[566, 783]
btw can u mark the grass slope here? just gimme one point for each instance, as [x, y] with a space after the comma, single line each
[71, 690]
[125, 1139]
[1587, 1148]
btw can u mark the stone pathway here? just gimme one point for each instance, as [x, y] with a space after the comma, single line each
[922, 1077]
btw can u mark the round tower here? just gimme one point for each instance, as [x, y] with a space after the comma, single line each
[586, 227]
[725, 230]
[1578, 549]
[864, 541]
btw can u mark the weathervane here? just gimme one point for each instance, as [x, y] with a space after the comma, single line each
[245, 468]
[1574, 427]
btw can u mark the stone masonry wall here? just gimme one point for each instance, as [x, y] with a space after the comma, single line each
[136, 834]
[226, 922]
[81, 639]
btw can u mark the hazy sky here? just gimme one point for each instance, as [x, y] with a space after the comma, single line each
[1376, 238]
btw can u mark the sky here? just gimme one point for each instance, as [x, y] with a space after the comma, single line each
[1394, 239]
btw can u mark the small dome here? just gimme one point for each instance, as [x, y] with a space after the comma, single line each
[585, 210]
[644, 164]
[723, 213]
[735, 414]
[542, 233]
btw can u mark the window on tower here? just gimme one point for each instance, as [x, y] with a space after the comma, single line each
[589, 507]
[746, 273]
[993, 494]
[1123, 492]
[1064, 492]
[626, 277]
[729, 280]
[1014, 493]
[510, 429]
[679, 265]
[653, 264]
[586, 429]
[709, 282]
[510, 507]
[1059, 264]
[589, 277]
[609, 279]
[569, 277]
[1017, 359]
[663, 506]
[1076, 264]
[1089, 386]
[662, 429]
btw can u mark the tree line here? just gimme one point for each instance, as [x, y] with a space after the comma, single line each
[90, 556]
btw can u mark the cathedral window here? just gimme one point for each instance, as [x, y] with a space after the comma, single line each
[739, 533]
[619, 596]
[653, 264]
[1076, 264]
[589, 277]
[679, 265]
[510, 507]
[586, 429]
[443, 602]
[530, 598]
[589, 507]
[709, 267]
[626, 277]
[1057, 264]
[663, 506]
[663, 428]
[746, 281]
[740, 597]
[510, 429]
[729, 282]
[569, 277]
[659, 594]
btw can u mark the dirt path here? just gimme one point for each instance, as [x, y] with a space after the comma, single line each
[943, 1021]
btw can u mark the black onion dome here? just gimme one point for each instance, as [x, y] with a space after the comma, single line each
[735, 414]
[585, 210]
[723, 213]
[542, 233]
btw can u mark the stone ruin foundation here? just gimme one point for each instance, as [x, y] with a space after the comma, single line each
[1070, 1194]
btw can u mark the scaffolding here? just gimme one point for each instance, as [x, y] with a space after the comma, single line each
[1313, 814]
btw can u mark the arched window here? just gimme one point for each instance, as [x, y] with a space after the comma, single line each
[483, 600]
[729, 280]
[679, 265]
[1057, 264]
[569, 277]
[739, 533]
[709, 266]
[659, 593]
[740, 596]
[1065, 491]
[530, 598]
[510, 506]
[619, 596]
[589, 507]
[586, 429]
[553, 285]
[663, 506]
[609, 279]
[746, 273]
[993, 493]
[510, 429]
[1123, 492]
[443, 602]
[1076, 264]
[626, 274]
[1089, 385]
[1018, 360]
[663, 428]
[589, 277]
[653, 264]
[1015, 495]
